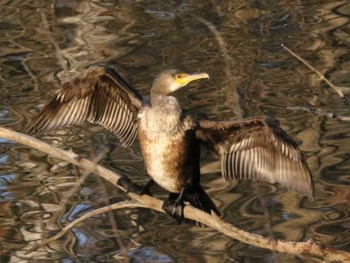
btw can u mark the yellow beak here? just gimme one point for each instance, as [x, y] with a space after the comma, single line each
[185, 78]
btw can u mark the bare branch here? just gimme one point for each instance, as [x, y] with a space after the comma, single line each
[121, 205]
[309, 248]
[74, 189]
[334, 87]
[321, 113]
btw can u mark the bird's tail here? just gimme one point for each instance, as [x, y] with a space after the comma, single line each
[198, 198]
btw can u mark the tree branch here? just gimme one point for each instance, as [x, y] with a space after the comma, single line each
[337, 89]
[320, 112]
[309, 248]
[120, 205]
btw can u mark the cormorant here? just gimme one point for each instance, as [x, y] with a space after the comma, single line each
[254, 148]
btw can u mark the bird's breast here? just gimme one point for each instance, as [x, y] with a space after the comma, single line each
[166, 154]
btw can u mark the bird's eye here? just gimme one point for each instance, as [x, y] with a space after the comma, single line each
[180, 76]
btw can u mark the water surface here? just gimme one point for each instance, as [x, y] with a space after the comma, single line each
[44, 43]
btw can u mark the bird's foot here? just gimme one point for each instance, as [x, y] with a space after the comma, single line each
[131, 187]
[175, 209]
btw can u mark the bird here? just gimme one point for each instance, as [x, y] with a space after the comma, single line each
[171, 138]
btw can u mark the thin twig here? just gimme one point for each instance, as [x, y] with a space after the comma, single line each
[113, 222]
[321, 113]
[74, 188]
[121, 205]
[334, 87]
[308, 248]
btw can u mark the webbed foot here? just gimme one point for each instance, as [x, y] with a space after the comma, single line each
[175, 209]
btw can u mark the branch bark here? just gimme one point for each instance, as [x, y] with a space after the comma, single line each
[337, 89]
[105, 209]
[321, 113]
[310, 247]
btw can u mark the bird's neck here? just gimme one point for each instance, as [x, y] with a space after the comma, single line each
[164, 114]
[166, 103]
[157, 97]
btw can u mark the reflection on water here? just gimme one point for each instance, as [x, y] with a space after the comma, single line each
[45, 43]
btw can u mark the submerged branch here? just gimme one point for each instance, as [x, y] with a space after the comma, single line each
[227, 63]
[308, 248]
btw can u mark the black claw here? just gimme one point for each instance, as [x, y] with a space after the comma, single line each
[125, 183]
[131, 187]
[146, 188]
[145, 191]
[175, 209]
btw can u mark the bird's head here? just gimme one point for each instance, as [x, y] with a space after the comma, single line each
[171, 80]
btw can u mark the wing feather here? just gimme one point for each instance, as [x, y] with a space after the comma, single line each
[257, 149]
[100, 96]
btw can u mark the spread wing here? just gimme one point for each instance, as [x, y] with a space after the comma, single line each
[257, 149]
[100, 96]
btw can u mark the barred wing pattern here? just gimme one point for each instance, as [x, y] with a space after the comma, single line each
[100, 96]
[257, 149]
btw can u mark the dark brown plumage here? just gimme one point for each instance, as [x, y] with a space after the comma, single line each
[100, 96]
[255, 148]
